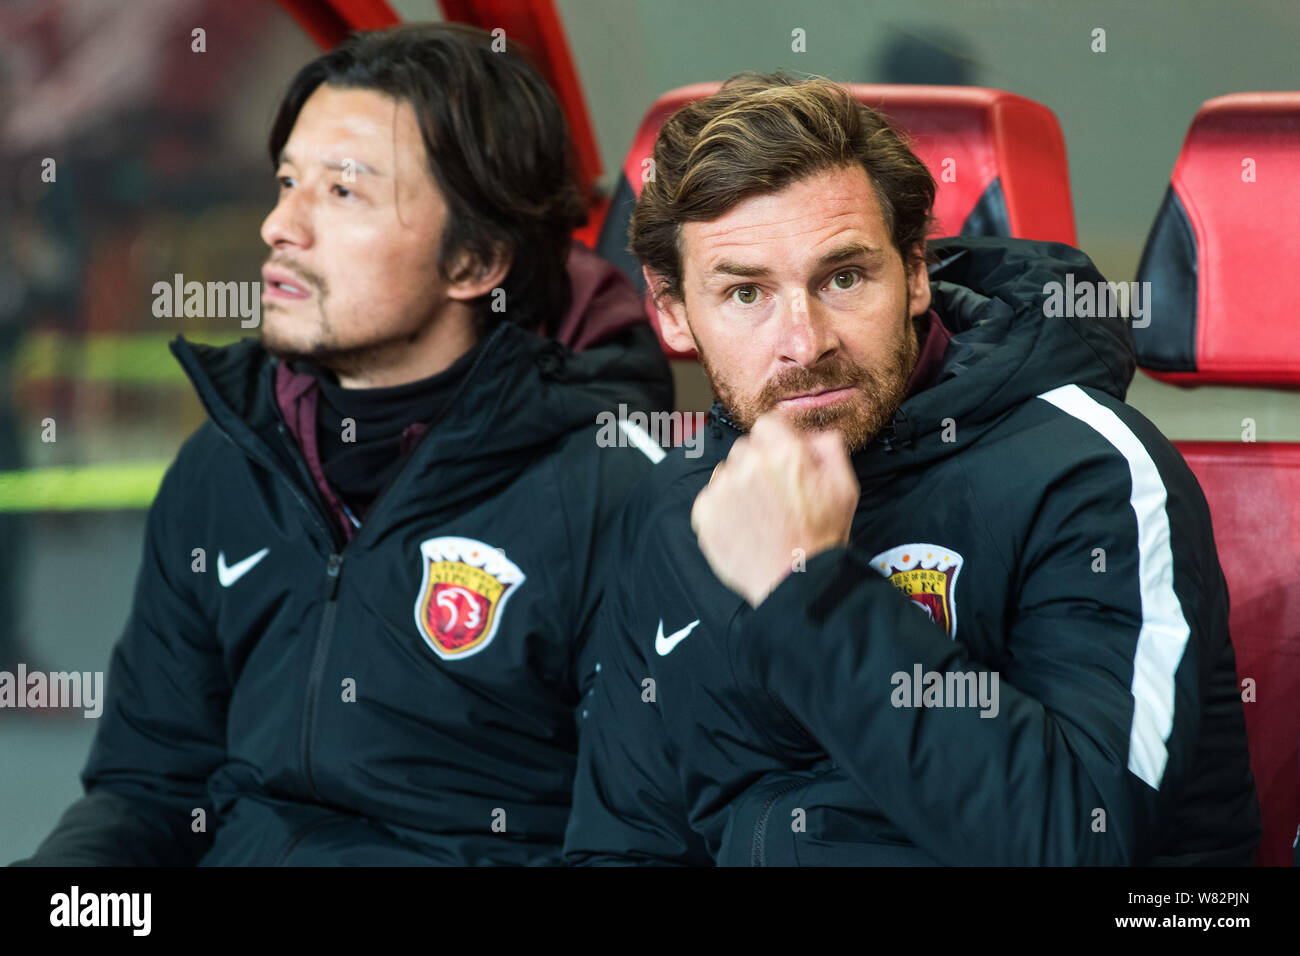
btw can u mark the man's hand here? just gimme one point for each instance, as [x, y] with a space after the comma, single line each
[780, 492]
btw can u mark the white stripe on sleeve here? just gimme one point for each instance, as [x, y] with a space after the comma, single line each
[640, 438]
[1163, 638]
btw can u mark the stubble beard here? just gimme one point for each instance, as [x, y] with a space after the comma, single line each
[352, 361]
[349, 361]
[880, 392]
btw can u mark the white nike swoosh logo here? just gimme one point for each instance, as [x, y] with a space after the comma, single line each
[665, 644]
[229, 575]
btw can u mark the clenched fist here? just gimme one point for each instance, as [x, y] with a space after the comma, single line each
[777, 491]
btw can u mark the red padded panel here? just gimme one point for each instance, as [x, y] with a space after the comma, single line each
[1246, 330]
[986, 134]
[1254, 494]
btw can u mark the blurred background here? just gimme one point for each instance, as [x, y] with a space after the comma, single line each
[160, 168]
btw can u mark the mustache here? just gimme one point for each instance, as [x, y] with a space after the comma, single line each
[314, 279]
[834, 373]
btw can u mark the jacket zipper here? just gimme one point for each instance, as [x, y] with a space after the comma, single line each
[317, 513]
[317, 672]
[333, 571]
[326, 629]
[758, 849]
[334, 565]
[388, 492]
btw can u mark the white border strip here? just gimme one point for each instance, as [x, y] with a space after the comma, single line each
[639, 437]
[1163, 638]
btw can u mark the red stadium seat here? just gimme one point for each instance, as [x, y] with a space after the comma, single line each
[1220, 313]
[998, 158]
[1254, 496]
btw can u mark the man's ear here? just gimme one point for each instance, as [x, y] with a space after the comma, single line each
[671, 313]
[918, 281]
[471, 277]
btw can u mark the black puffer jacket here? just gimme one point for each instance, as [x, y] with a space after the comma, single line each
[407, 698]
[1023, 656]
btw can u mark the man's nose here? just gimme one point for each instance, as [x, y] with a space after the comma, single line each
[808, 334]
[289, 223]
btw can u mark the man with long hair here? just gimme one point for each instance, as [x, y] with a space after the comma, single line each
[359, 629]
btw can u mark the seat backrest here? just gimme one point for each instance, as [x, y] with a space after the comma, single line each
[998, 159]
[1222, 309]
[1219, 311]
[1253, 491]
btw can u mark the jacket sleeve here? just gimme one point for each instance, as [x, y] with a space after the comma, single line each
[1095, 717]
[628, 803]
[162, 731]
[592, 498]
[592, 502]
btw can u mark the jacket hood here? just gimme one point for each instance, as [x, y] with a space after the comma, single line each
[991, 294]
[602, 302]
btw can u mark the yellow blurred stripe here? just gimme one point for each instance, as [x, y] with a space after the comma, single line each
[138, 358]
[122, 485]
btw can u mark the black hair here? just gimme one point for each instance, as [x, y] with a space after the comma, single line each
[497, 145]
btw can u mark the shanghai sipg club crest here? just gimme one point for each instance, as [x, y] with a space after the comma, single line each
[463, 595]
[926, 573]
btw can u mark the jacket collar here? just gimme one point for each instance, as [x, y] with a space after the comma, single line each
[521, 395]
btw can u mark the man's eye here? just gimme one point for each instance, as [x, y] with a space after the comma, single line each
[844, 280]
[284, 181]
[343, 191]
[746, 294]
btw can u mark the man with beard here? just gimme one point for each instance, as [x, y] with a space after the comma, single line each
[359, 627]
[933, 593]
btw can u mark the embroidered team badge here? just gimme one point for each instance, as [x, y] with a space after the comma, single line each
[926, 573]
[463, 595]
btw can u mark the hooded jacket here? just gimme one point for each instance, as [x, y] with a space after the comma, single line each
[1022, 657]
[284, 695]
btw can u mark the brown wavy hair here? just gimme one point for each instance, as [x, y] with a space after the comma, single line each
[758, 134]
